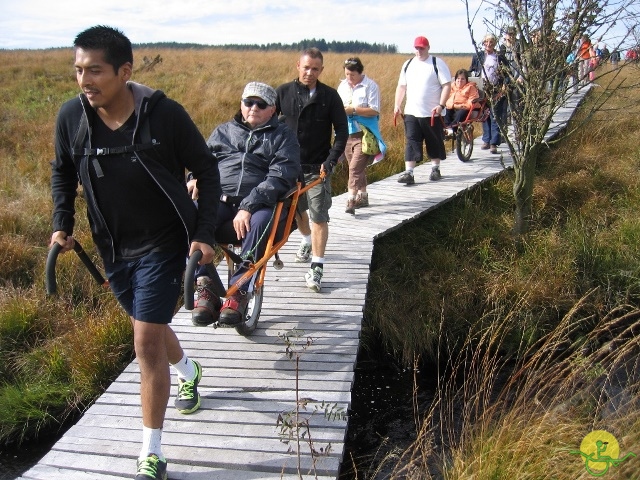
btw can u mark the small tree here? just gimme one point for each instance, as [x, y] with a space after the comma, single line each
[540, 76]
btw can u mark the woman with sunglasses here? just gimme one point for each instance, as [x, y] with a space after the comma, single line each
[361, 98]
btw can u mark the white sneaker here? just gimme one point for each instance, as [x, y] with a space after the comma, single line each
[314, 278]
[303, 255]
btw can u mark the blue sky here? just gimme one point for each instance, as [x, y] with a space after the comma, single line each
[54, 23]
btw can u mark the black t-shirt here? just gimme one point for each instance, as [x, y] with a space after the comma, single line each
[125, 193]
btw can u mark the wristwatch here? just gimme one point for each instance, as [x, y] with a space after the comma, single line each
[442, 106]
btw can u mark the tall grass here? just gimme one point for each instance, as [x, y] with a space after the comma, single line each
[525, 416]
[538, 346]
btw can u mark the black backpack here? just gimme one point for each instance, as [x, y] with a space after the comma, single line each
[435, 67]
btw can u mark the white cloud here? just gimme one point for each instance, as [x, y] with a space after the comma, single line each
[43, 24]
[55, 23]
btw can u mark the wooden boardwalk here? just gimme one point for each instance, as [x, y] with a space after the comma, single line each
[248, 382]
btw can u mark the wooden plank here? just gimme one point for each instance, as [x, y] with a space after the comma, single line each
[64, 465]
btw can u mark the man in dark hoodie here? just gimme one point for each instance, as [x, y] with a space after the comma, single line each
[129, 146]
[316, 113]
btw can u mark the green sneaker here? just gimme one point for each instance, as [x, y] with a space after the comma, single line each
[151, 468]
[188, 399]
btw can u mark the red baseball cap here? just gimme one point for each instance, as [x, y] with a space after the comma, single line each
[421, 42]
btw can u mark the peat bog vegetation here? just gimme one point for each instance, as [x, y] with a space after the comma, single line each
[534, 346]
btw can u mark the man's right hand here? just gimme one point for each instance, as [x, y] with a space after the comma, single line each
[206, 249]
[396, 112]
[192, 188]
[327, 166]
[64, 240]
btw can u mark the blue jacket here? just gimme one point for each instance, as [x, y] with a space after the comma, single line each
[373, 124]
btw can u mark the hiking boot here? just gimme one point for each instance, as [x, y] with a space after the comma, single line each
[494, 149]
[362, 200]
[303, 255]
[485, 146]
[151, 468]
[207, 305]
[314, 278]
[188, 398]
[351, 206]
[234, 308]
[406, 177]
[435, 174]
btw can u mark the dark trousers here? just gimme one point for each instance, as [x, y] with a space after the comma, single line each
[418, 130]
[455, 116]
[490, 127]
[255, 241]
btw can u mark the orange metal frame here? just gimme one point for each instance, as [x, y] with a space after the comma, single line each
[272, 246]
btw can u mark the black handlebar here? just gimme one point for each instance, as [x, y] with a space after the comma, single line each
[189, 279]
[50, 269]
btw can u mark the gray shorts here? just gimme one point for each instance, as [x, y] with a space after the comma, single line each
[318, 199]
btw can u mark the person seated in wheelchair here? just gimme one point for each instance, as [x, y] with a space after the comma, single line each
[461, 100]
[259, 163]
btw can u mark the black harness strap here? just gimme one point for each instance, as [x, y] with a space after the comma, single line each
[114, 150]
[78, 148]
[433, 59]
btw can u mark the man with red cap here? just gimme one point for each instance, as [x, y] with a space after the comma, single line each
[426, 82]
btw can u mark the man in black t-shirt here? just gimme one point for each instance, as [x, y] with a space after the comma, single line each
[130, 145]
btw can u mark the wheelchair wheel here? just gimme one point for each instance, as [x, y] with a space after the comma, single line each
[464, 142]
[252, 314]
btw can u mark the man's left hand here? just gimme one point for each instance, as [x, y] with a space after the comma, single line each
[242, 223]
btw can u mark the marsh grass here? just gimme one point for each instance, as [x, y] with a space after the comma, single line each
[524, 416]
[476, 304]
[551, 346]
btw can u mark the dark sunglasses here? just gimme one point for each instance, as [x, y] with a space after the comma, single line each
[248, 102]
[351, 62]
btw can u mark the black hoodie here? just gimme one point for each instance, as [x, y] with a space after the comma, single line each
[179, 146]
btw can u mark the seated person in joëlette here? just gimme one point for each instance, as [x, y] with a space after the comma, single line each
[461, 99]
[259, 163]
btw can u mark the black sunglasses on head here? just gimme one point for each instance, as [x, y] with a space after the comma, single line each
[351, 62]
[249, 102]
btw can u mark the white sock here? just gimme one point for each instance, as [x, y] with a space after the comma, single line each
[151, 442]
[185, 368]
[315, 259]
[435, 165]
[306, 239]
[351, 197]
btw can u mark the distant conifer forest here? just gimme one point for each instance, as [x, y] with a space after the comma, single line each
[323, 45]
